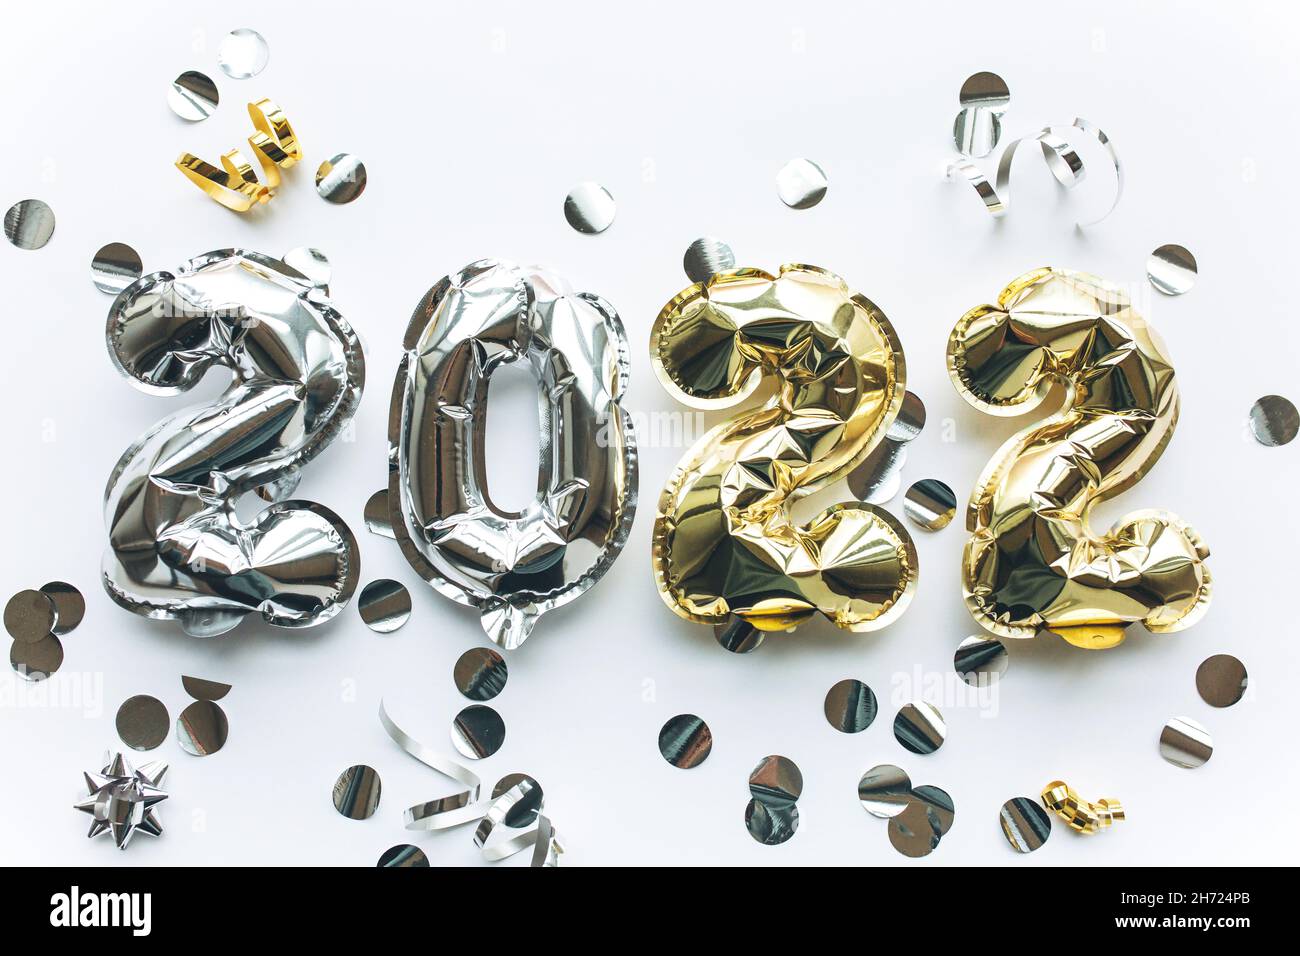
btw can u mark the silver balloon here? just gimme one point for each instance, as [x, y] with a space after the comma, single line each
[177, 550]
[511, 566]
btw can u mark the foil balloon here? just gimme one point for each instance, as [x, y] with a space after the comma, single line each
[1033, 563]
[723, 540]
[512, 566]
[177, 549]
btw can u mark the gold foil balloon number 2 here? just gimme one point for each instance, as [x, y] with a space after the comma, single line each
[723, 539]
[1032, 563]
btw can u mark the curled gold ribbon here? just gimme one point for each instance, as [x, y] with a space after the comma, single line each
[236, 185]
[1081, 815]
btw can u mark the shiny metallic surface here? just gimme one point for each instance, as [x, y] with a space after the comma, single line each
[69, 605]
[920, 727]
[885, 791]
[193, 96]
[589, 208]
[1025, 824]
[880, 476]
[124, 801]
[385, 605]
[723, 541]
[522, 812]
[962, 170]
[976, 131]
[1115, 419]
[29, 224]
[143, 722]
[915, 831]
[706, 257]
[30, 616]
[403, 855]
[685, 741]
[985, 89]
[480, 673]
[177, 549]
[35, 661]
[202, 728]
[910, 421]
[356, 792]
[1171, 269]
[478, 731]
[243, 54]
[981, 661]
[776, 782]
[341, 178]
[1185, 743]
[930, 504]
[511, 566]
[1274, 420]
[114, 267]
[939, 804]
[850, 706]
[771, 825]
[738, 636]
[801, 184]
[201, 689]
[378, 516]
[455, 809]
[311, 264]
[1221, 680]
[1082, 816]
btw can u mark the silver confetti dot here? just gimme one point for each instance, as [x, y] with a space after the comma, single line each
[987, 90]
[378, 519]
[193, 96]
[910, 421]
[1221, 680]
[980, 661]
[29, 224]
[919, 727]
[976, 131]
[685, 741]
[706, 257]
[1025, 824]
[1172, 269]
[356, 792]
[478, 731]
[1185, 743]
[30, 616]
[243, 53]
[776, 781]
[480, 673]
[202, 728]
[341, 178]
[801, 184]
[69, 605]
[385, 605]
[914, 832]
[939, 804]
[877, 480]
[1274, 420]
[738, 636]
[771, 825]
[885, 791]
[114, 267]
[143, 722]
[850, 706]
[527, 803]
[311, 264]
[36, 660]
[201, 689]
[930, 504]
[403, 855]
[589, 208]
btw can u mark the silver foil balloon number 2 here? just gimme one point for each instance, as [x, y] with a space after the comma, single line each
[512, 566]
[177, 549]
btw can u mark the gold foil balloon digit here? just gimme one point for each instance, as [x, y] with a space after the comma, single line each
[512, 566]
[1033, 563]
[723, 540]
[178, 551]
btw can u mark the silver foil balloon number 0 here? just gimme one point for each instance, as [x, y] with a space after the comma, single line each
[177, 549]
[512, 566]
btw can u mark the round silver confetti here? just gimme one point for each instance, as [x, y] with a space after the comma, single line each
[385, 605]
[1185, 743]
[1274, 420]
[877, 480]
[919, 727]
[930, 504]
[706, 257]
[1171, 269]
[114, 267]
[341, 178]
[201, 689]
[1025, 824]
[738, 636]
[987, 90]
[356, 792]
[914, 832]
[939, 804]
[193, 96]
[910, 420]
[143, 722]
[376, 514]
[202, 728]
[523, 812]
[69, 605]
[885, 791]
[1221, 680]
[589, 208]
[976, 131]
[29, 224]
[477, 732]
[480, 673]
[310, 263]
[243, 53]
[30, 616]
[771, 825]
[776, 781]
[403, 855]
[38, 660]
[801, 184]
[980, 661]
[685, 741]
[850, 706]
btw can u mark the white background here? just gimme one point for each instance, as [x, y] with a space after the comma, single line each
[473, 121]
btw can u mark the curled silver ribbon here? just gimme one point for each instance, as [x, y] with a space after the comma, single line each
[465, 806]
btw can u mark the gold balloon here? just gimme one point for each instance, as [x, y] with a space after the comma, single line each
[723, 540]
[1033, 563]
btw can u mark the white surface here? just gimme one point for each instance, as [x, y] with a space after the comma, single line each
[473, 124]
